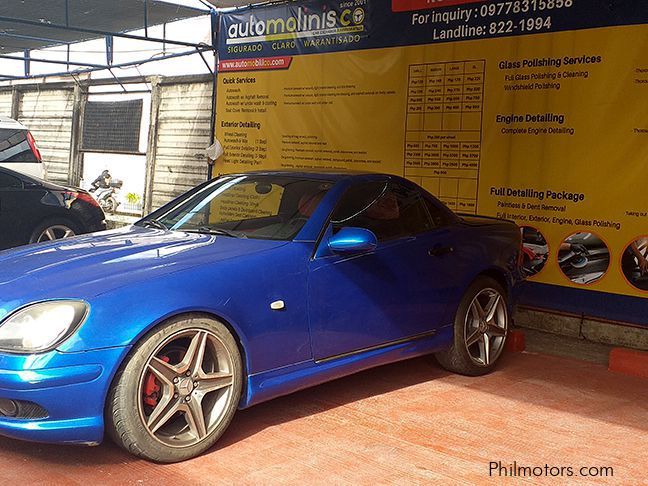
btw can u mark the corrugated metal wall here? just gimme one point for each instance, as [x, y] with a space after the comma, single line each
[183, 134]
[180, 132]
[48, 114]
[5, 103]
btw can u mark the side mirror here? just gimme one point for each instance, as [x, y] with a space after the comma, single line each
[353, 240]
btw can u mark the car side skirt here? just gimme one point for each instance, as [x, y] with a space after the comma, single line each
[289, 379]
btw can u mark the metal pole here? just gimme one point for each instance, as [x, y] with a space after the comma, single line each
[214, 18]
[146, 18]
[75, 170]
[206, 63]
[26, 60]
[109, 50]
[151, 149]
[118, 81]
[164, 37]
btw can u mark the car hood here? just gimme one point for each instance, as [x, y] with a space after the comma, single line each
[91, 264]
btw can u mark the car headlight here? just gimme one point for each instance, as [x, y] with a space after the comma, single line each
[40, 327]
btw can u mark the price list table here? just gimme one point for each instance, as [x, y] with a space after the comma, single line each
[443, 134]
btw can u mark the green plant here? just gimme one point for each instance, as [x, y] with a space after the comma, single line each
[133, 198]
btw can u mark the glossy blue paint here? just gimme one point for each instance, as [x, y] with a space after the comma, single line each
[394, 292]
[352, 240]
[71, 386]
[399, 300]
[275, 383]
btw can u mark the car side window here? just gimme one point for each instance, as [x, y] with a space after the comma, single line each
[14, 146]
[439, 218]
[9, 182]
[390, 210]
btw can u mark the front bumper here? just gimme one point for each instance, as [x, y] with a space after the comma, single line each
[70, 387]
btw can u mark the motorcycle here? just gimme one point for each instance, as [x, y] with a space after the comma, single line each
[104, 189]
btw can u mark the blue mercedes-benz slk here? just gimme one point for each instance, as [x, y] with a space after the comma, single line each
[248, 287]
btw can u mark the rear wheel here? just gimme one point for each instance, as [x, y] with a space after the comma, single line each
[177, 392]
[53, 229]
[109, 205]
[480, 329]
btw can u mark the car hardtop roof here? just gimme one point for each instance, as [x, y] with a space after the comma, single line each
[6, 122]
[17, 174]
[30, 179]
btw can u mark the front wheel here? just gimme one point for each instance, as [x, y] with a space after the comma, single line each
[177, 392]
[480, 329]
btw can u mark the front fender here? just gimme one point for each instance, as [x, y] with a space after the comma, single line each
[270, 338]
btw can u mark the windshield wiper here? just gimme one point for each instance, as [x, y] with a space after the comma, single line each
[218, 231]
[152, 223]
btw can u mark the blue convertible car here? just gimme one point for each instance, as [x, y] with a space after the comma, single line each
[248, 287]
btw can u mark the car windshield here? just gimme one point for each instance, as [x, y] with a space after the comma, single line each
[271, 207]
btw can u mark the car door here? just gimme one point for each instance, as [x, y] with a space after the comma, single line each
[394, 293]
[11, 224]
[23, 205]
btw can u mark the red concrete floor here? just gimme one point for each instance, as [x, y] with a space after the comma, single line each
[407, 423]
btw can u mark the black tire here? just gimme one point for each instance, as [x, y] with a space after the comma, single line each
[126, 406]
[53, 223]
[459, 358]
[109, 205]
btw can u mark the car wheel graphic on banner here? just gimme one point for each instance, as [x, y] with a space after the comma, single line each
[584, 258]
[634, 263]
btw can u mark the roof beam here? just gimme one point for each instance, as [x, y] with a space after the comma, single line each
[31, 38]
[88, 67]
[49, 61]
[100, 33]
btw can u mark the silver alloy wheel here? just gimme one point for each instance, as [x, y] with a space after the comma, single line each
[185, 388]
[55, 232]
[486, 326]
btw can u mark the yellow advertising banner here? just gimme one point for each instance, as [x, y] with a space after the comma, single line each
[546, 126]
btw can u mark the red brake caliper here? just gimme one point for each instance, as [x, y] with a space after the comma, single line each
[152, 387]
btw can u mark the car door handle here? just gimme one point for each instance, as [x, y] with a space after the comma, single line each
[439, 250]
